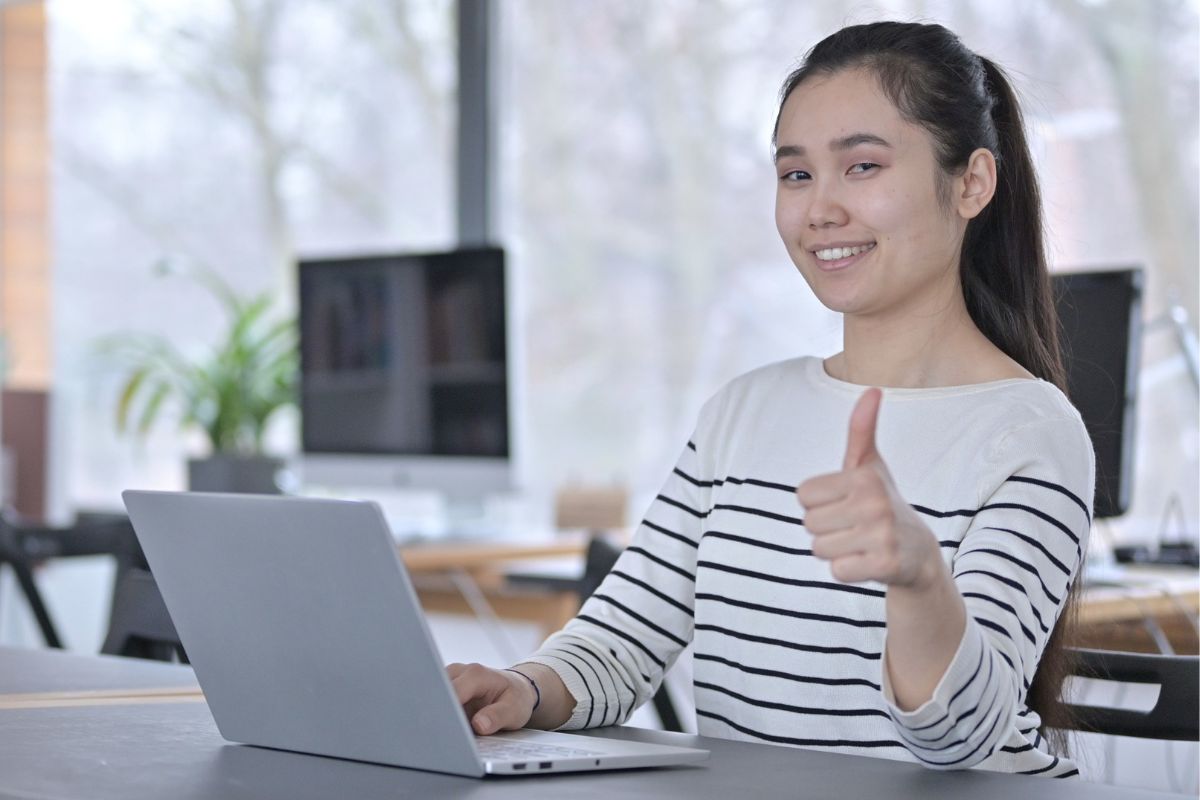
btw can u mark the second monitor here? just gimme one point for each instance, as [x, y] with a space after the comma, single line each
[404, 371]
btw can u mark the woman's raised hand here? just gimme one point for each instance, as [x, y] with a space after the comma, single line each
[859, 522]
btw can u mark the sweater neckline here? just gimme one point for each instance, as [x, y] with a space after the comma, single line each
[815, 369]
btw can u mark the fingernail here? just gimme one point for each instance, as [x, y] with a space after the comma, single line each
[484, 723]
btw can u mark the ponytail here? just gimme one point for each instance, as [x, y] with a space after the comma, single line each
[1005, 280]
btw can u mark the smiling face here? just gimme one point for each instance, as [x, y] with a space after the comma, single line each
[861, 203]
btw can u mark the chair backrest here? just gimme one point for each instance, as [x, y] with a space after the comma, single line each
[1176, 714]
[140, 625]
[601, 556]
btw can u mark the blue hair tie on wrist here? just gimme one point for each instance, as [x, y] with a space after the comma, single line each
[537, 693]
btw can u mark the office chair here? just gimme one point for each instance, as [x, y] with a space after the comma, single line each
[1176, 714]
[25, 543]
[14, 552]
[140, 625]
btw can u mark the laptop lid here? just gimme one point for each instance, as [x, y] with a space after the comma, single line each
[303, 627]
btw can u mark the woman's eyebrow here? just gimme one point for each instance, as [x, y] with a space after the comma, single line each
[855, 139]
[788, 151]
[844, 143]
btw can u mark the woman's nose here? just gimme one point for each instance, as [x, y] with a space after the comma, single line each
[825, 209]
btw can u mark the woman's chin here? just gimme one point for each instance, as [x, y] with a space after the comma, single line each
[839, 302]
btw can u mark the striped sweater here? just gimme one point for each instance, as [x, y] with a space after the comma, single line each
[1001, 472]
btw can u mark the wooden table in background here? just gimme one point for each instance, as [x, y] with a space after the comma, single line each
[433, 568]
[1117, 617]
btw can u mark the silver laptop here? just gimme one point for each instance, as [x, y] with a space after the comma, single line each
[305, 633]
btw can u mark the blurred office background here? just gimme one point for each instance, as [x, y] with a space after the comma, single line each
[636, 196]
[635, 200]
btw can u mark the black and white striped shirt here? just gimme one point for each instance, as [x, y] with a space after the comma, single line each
[1001, 472]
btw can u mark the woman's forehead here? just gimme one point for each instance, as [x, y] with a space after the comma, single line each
[825, 109]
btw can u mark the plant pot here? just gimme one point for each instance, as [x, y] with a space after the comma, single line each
[242, 474]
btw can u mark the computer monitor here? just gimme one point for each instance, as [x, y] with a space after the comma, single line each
[404, 372]
[1101, 324]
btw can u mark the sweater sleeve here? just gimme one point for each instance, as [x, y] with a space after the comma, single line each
[1014, 569]
[613, 655]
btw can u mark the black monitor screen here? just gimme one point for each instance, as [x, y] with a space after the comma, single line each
[1100, 313]
[404, 354]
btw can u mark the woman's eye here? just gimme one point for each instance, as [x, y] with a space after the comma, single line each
[865, 166]
[795, 175]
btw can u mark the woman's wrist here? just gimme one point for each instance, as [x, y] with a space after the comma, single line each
[933, 579]
[537, 692]
[556, 704]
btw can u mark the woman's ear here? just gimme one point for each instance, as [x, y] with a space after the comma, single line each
[976, 185]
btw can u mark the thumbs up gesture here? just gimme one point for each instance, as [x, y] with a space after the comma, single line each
[858, 521]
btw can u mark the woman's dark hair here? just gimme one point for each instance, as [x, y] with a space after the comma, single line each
[965, 102]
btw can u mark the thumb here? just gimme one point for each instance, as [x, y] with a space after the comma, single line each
[860, 446]
[503, 715]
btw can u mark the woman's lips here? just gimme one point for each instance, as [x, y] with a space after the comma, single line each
[841, 263]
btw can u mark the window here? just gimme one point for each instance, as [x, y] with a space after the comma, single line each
[234, 136]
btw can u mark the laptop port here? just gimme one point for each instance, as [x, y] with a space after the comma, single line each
[519, 766]
[545, 764]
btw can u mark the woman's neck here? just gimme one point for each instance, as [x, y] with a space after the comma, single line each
[938, 345]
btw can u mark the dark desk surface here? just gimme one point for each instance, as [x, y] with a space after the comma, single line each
[158, 750]
[25, 671]
[28, 671]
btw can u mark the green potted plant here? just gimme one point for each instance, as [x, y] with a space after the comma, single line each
[230, 393]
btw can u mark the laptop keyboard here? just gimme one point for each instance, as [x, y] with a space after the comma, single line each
[510, 750]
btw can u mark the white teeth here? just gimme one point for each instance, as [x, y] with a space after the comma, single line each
[834, 253]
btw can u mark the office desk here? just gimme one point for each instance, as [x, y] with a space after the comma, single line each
[453, 578]
[485, 555]
[50, 678]
[140, 750]
[26, 671]
[1141, 608]
[154, 751]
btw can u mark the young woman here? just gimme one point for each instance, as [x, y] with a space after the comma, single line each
[872, 571]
